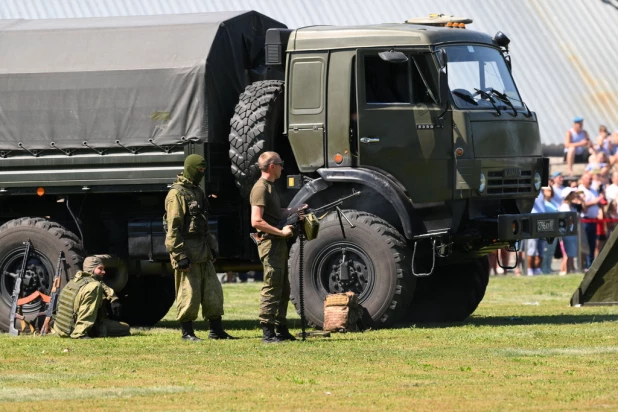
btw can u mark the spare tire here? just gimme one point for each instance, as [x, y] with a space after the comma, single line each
[48, 240]
[257, 121]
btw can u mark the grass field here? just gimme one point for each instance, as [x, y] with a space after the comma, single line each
[524, 349]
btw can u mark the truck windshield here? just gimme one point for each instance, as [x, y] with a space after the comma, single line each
[473, 70]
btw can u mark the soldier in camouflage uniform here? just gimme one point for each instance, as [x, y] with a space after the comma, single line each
[266, 213]
[80, 313]
[192, 252]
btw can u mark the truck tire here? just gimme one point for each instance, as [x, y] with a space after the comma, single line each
[379, 268]
[48, 240]
[146, 299]
[451, 293]
[257, 121]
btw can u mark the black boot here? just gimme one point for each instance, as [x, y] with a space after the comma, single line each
[216, 330]
[269, 334]
[283, 333]
[187, 332]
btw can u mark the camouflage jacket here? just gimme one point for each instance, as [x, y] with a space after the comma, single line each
[86, 305]
[188, 235]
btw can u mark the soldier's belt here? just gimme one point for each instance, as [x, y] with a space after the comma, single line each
[258, 237]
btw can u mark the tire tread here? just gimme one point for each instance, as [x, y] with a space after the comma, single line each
[248, 125]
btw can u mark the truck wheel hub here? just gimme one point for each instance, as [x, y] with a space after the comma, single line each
[35, 279]
[343, 267]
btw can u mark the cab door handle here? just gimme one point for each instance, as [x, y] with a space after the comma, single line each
[369, 140]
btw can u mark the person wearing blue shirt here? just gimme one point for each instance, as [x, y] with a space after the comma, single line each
[550, 248]
[557, 183]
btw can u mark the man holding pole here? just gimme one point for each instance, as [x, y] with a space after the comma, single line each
[266, 213]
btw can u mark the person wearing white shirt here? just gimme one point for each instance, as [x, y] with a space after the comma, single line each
[591, 202]
[611, 192]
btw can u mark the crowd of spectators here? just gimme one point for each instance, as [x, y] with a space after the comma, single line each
[593, 195]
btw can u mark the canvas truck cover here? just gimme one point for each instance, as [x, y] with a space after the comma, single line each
[126, 79]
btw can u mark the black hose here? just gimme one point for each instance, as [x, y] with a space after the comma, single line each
[81, 235]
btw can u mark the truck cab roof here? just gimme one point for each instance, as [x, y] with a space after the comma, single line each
[380, 35]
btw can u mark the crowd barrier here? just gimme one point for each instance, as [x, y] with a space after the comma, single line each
[580, 239]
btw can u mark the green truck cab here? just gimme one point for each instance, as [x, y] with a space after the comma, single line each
[423, 119]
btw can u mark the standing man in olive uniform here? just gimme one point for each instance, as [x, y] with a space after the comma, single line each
[192, 252]
[80, 314]
[266, 213]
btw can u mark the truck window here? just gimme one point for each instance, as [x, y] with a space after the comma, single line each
[473, 68]
[386, 82]
[353, 114]
[420, 93]
[492, 76]
[306, 92]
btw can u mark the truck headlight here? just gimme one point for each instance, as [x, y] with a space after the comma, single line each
[537, 181]
[483, 183]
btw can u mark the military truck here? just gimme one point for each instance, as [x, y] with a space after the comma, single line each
[422, 117]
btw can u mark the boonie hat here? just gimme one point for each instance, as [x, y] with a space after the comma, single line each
[92, 262]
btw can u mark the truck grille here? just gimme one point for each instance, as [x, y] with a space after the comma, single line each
[498, 183]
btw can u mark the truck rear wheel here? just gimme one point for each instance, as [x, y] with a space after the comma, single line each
[377, 262]
[147, 299]
[48, 240]
[257, 121]
[451, 293]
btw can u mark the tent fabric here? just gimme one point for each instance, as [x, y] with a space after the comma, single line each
[104, 81]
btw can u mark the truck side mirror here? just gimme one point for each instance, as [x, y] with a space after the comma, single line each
[393, 56]
[503, 41]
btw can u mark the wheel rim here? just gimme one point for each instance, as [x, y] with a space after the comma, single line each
[332, 270]
[38, 276]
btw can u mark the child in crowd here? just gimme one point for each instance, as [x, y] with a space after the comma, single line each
[603, 142]
[597, 161]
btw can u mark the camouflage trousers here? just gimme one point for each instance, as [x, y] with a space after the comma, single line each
[102, 328]
[199, 286]
[275, 293]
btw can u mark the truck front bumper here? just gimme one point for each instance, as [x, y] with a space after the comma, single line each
[531, 226]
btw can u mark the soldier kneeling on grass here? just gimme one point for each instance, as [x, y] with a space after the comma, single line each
[80, 313]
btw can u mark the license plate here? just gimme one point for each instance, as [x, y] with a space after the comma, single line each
[545, 225]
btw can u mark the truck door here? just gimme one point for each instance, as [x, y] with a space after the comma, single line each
[398, 130]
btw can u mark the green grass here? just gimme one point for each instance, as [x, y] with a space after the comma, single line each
[523, 349]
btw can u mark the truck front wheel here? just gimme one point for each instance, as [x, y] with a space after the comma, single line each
[48, 240]
[451, 293]
[372, 260]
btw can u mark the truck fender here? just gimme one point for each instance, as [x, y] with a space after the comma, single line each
[382, 184]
